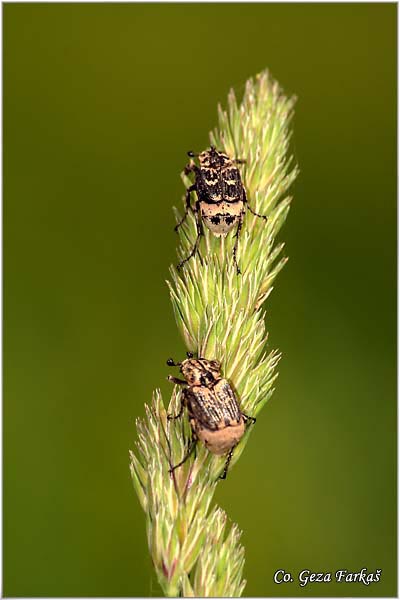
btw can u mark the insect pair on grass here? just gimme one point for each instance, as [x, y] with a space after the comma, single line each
[213, 408]
[221, 198]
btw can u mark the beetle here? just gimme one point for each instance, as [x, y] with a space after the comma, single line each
[214, 412]
[221, 197]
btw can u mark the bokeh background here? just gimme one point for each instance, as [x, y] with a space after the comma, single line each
[101, 103]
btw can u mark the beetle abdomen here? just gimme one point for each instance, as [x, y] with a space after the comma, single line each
[220, 441]
[221, 217]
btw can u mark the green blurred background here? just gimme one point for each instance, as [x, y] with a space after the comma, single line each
[101, 103]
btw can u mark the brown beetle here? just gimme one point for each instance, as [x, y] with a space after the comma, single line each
[214, 412]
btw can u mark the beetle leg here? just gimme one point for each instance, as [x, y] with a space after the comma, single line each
[240, 161]
[192, 165]
[199, 234]
[256, 214]
[247, 418]
[239, 227]
[178, 416]
[190, 449]
[250, 209]
[192, 188]
[228, 460]
[183, 397]
[176, 380]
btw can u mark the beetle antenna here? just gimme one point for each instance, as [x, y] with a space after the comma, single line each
[189, 354]
[192, 154]
[171, 363]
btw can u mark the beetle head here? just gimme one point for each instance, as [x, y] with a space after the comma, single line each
[213, 159]
[200, 371]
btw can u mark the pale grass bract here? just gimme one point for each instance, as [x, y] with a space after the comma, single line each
[219, 315]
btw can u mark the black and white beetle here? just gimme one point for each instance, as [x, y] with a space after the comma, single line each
[214, 412]
[221, 197]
